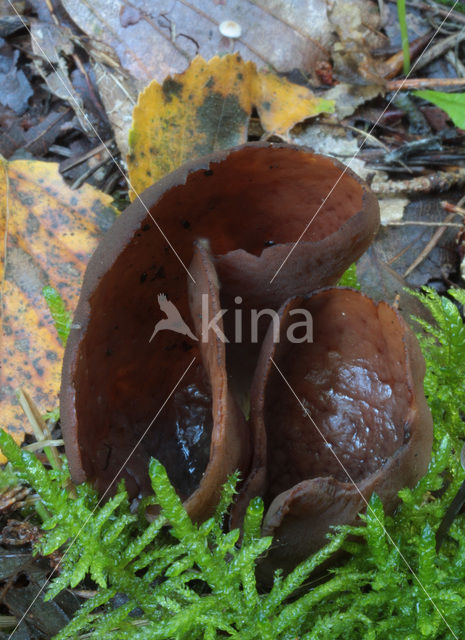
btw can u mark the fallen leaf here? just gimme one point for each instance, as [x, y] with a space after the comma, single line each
[43, 618]
[332, 141]
[167, 36]
[16, 89]
[399, 246]
[207, 108]
[356, 23]
[452, 103]
[153, 40]
[50, 233]
[349, 97]
[281, 104]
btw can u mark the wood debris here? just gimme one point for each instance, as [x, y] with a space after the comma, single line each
[437, 181]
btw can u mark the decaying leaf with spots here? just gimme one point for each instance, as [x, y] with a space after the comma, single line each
[207, 107]
[50, 233]
[282, 104]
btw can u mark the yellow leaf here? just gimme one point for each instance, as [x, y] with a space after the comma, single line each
[207, 107]
[49, 234]
[281, 104]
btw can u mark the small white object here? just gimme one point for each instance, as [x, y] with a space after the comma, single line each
[230, 29]
[392, 209]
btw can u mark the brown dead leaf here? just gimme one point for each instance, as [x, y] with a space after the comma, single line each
[153, 40]
[50, 232]
[207, 108]
[166, 36]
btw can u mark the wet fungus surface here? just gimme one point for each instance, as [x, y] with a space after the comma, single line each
[350, 419]
[217, 229]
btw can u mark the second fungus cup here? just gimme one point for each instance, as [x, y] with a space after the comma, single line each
[335, 419]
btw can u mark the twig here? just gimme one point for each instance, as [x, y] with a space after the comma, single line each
[67, 165]
[453, 208]
[418, 223]
[453, 15]
[60, 151]
[90, 86]
[423, 83]
[84, 593]
[453, 510]
[52, 12]
[53, 123]
[7, 621]
[394, 64]
[455, 62]
[38, 446]
[429, 247]
[42, 432]
[91, 170]
[440, 48]
[367, 135]
[39, 426]
[111, 182]
[437, 181]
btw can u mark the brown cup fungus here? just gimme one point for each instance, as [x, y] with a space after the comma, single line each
[335, 419]
[220, 229]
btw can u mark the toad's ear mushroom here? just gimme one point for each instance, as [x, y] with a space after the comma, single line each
[119, 375]
[335, 420]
